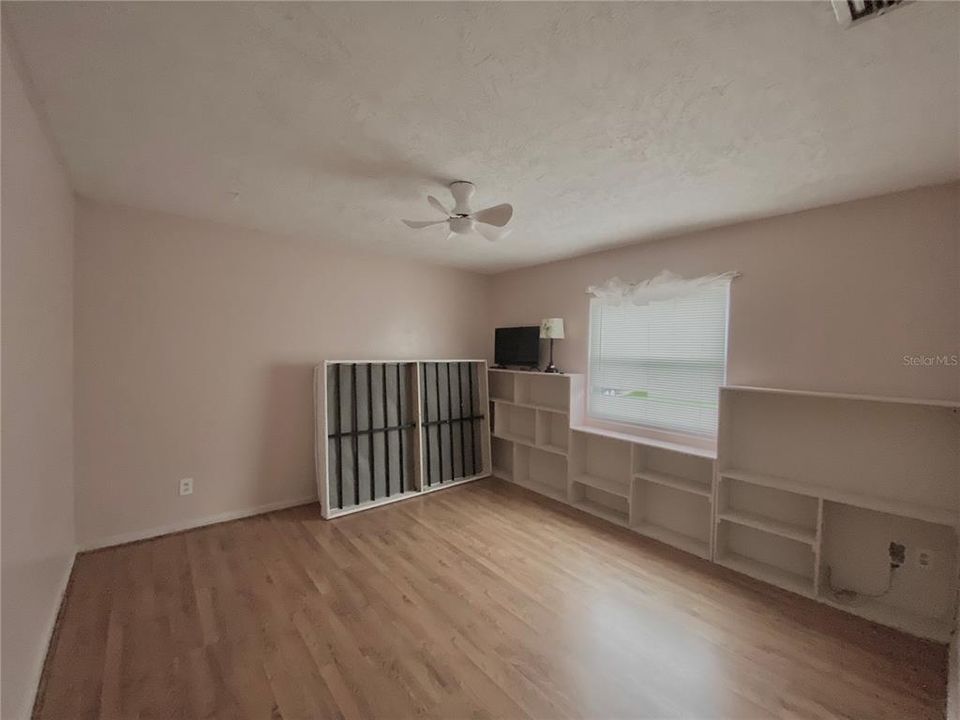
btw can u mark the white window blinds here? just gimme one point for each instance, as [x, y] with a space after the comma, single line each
[660, 364]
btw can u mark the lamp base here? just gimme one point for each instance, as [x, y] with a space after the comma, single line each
[551, 368]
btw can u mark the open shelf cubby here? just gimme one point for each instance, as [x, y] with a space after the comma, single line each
[543, 390]
[673, 494]
[601, 463]
[600, 480]
[917, 597]
[774, 559]
[544, 472]
[502, 452]
[515, 423]
[675, 517]
[553, 431]
[768, 509]
[603, 504]
[501, 386]
[688, 473]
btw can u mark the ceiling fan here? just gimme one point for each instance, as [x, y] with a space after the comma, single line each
[462, 220]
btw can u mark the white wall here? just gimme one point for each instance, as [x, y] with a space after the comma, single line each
[195, 350]
[830, 299]
[37, 377]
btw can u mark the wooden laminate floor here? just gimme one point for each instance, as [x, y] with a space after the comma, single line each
[482, 601]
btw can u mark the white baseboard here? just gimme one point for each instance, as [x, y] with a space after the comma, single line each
[48, 638]
[129, 537]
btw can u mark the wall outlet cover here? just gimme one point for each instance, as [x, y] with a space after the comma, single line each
[186, 486]
[925, 559]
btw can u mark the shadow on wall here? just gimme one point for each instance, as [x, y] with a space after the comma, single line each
[285, 468]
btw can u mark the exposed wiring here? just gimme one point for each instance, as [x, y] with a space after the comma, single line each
[850, 596]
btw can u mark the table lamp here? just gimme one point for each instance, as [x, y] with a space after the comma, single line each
[551, 329]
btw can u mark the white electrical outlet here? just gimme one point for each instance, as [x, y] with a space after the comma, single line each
[186, 486]
[925, 559]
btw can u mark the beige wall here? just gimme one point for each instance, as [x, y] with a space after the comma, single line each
[830, 299]
[37, 376]
[195, 342]
[195, 349]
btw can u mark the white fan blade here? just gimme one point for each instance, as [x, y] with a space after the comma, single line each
[438, 205]
[417, 224]
[491, 233]
[498, 215]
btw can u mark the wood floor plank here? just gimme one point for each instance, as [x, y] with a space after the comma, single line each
[481, 601]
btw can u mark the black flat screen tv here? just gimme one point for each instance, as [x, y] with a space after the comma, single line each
[517, 346]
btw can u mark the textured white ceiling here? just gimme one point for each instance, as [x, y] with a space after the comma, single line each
[602, 123]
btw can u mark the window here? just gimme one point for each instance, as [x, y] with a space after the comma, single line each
[660, 364]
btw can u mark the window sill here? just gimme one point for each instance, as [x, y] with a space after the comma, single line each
[686, 445]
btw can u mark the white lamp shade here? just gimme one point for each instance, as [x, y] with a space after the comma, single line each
[552, 329]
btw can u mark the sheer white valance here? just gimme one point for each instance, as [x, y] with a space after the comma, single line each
[664, 286]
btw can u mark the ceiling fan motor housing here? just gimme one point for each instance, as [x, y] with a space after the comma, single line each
[461, 225]
[462, 191]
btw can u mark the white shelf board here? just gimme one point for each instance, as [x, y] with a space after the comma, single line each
[929, 402]
[555, 449]
[709, 453]
[543, 488]
[935, 629]
[768, 573]
[694, 546]
[601, 511]
[531, 373]
[939, 516]
[503, 474]
[510, 437]
[676, 482]
[759, 522]
[609, 486]
[531, 406]
[547, 408]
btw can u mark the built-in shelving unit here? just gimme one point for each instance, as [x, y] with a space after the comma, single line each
[658, 487]
[808, 491]
[813, 487]
[531, 421]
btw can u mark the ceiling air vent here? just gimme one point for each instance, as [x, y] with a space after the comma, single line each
[853, 12]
